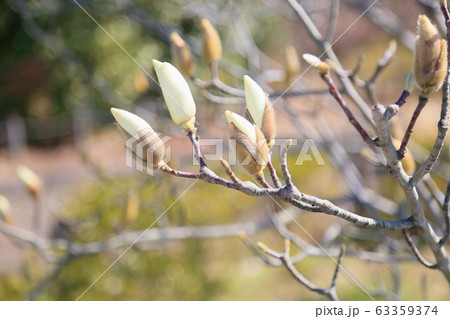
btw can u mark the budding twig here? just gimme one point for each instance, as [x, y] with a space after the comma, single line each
[196, 145]
[338, 97]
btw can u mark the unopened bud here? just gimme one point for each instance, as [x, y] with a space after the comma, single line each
[312, 60]
[260, 109]
[5, 210]
[212, 47]
[251, 147]
[430, 58]
[132, 210]
[291, 65]
[140, 82]
[177, 95]
[145, 142]
[410, 82]
[31, 181]
[181, 55]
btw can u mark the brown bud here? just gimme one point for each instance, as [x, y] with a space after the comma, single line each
[140, 82]
[291, 65]
[132, 210]
[430, 58]
[268, 126]
[212, 47]
[181, 55]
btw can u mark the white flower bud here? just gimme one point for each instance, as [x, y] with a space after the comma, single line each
[177, 94]
[32, 182]
[255, 99]
[242, 124]
[311, 59]
[129, 122]
[149, 147]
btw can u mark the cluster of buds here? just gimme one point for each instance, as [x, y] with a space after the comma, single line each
[430, 58]
[253, 140]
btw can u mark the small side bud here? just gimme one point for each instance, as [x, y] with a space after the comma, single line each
[262, 246]
[181, 55]
[410, 82]
[31, 181]
[5, 210]
[145, 144]
[212, 47]
[430, 58]
[251, 146]
[177, 95]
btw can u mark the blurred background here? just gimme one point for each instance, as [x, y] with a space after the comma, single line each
[61, 72]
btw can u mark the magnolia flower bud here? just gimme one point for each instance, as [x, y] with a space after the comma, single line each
[291, 65]
[181, 55]
[212, 47]
[251, 146]
[311, 60]
[32, 182]
[177, 95]
[140, 82]
[315, 62]
[140, 138]
[5, 210]
[260, 109]
[430, 58]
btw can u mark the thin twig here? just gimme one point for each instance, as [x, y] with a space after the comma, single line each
[446, 211]
[338, 97]
[196, 145]
[417, 253]
[273, 175]
[421, 104]
[334, 14]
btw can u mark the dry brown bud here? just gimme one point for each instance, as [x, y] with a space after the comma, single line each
[430, 58]
[181, 55]
[212, 47]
